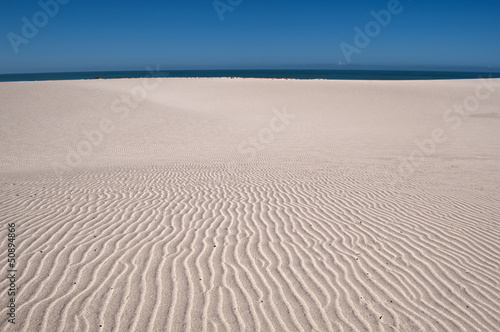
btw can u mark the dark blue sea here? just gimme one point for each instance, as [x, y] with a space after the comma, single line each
[283, 74]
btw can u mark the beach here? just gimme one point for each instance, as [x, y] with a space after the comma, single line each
[230, 204]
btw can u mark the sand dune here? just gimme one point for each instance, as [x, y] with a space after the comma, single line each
[252, 205]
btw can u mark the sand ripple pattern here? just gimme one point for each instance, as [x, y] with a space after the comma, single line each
[248, 248]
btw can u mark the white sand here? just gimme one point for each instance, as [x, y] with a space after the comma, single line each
[174, 222]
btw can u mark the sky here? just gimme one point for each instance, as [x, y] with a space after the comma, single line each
[107, 35]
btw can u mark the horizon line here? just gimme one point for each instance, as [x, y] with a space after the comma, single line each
[414, 69]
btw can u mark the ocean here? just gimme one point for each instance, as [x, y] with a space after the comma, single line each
[279, 74]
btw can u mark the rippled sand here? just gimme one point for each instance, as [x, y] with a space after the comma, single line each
[252, 205]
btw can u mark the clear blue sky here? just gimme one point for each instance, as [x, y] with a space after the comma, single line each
[95, 35]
